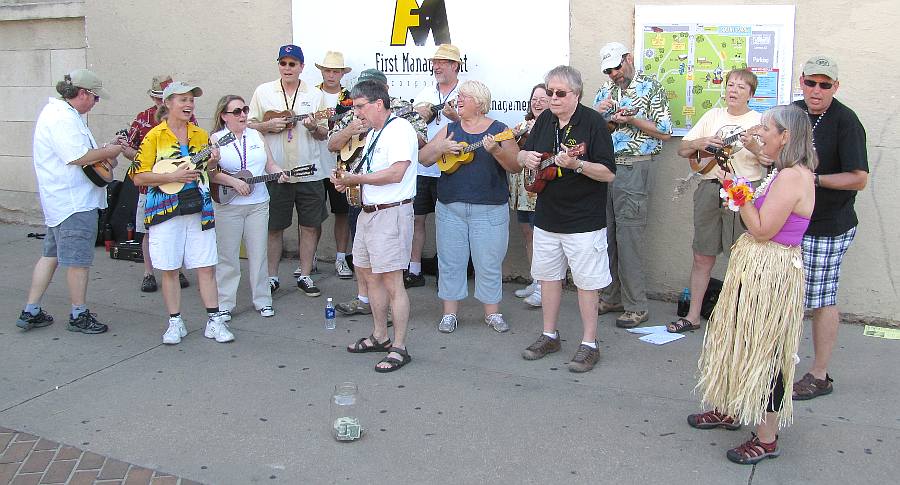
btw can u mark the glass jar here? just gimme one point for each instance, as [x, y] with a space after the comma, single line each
[345, 412]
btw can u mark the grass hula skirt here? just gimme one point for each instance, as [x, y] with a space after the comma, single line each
[754, 332]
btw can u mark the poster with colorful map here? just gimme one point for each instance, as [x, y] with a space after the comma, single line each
[689, 50]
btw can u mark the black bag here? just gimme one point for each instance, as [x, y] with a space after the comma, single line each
[105, 215]
[710, 297]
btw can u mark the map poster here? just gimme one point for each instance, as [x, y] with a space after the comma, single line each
[690, 50]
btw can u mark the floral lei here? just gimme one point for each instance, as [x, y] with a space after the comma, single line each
[737, 192]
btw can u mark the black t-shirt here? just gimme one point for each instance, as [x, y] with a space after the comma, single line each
[573, 203]
[840, 142]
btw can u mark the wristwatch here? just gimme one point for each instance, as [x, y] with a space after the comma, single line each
[816, 180]
[580, 167]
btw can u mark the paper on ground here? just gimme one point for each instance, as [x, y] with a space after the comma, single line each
[649, 330]
[661, 338]
[882, 332]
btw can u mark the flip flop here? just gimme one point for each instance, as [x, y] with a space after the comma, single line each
[682, 325]
[394, 362]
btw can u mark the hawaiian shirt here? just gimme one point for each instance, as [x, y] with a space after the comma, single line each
[519, 198]
[140, 126]
[161, 144]
[648, 98]
[397, 105]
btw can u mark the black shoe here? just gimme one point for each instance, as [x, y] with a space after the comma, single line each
[307, 286]
[183, 281]
[86, 322]
[27, 321]
[148, 285]
[413, 280]
[273, 285]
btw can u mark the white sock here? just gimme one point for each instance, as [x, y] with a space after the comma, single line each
[415, 268]
[340, 256]
[273, 278]
[592, 345]
[554, 335]
[364, 299]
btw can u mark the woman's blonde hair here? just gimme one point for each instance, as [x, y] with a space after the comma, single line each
[218, 122]
[479, 92]
[799, 147]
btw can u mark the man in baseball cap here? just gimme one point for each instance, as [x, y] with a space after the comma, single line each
[85, 79]
[840, 142]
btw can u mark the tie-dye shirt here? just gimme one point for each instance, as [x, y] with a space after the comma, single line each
[160, 144]
[646, 96]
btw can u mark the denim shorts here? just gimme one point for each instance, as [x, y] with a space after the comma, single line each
[72, 241]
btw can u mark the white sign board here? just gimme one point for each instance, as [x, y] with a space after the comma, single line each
[498, 43]
[690, 48]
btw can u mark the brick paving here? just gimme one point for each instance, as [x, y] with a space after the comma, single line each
[26, 459]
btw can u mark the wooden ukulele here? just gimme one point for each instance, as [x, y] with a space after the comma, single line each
[351, 150]
[450, 162]
[613, 126]
[194, 162]
[729, 134]
[352, 192]
[101, 173]
[224, 194]
[536, 180]
[291, 118]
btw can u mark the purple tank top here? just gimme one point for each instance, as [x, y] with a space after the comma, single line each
[791, 233]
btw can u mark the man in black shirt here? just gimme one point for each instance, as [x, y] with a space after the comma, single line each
[570, 214]
[840, 142]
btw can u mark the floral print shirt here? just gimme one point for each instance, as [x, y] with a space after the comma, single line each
[646, 96]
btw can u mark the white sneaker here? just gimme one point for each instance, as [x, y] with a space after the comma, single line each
[217, 328]
[527, 291]
[175, 331]
[448, 323]
[342, 269]
[226, 315]
[534, 299]
[267, 311]
[298, 272]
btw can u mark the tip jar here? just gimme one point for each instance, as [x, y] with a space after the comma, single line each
[345, 412]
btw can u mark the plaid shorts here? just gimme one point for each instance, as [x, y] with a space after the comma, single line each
[822, 256]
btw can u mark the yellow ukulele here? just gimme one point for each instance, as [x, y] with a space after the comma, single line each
[194, 162]
[450, 162]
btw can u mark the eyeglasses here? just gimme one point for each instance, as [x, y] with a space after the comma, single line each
[539, 100]
[812, 84]
[238, 111]
[96, 98]
[287, 63]
[357, 107]
[559, 93]
[609, 70]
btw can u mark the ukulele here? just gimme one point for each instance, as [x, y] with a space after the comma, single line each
[730, 135]
[613, 126]
[224, 194]
[351, 150]
[536, 180]
[194, 162]
[291, 118]
[450, 162]
[101, 173]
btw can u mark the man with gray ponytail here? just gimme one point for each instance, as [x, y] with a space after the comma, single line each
[63, 144]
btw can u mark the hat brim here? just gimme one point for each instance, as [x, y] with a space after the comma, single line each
[819, 72]
[104, 94]
[155, 94]
[447, 58]
[345, 68]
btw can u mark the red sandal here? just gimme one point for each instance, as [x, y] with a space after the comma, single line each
[711, 420]
[753, 451]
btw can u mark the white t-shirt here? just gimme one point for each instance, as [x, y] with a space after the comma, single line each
[397, 143]
[295, 147]
[431, 95]
[745, 162]
[60, 137]
[230, 161]
[329, 158]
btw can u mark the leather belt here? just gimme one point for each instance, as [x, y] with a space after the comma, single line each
[378, 207]
[629, 160]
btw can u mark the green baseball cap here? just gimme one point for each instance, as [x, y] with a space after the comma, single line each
[85, 79]
[821, 65]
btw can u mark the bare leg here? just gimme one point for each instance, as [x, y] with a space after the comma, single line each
[490, 308]
[825, 323]
[274, 248]
[378, 301]
[527, 236]
[145, 250]
[418, 241]
[551, 297]
[309, 239]
[341, 233]
[77, 279]
[391, 286]
[587, 304]
[171, 291]
[206, 280]
[41, 277]
[767, 431]
[700, 272]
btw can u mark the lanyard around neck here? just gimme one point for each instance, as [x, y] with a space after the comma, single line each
[368, 156]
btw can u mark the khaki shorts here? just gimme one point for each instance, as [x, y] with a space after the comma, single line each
[308, 198]
[584, 253]
[139, 214]
[383, 239]
[716, 228]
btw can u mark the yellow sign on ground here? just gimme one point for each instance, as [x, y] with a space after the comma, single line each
[882, 332]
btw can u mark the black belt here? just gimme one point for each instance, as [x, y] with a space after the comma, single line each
[376, 207]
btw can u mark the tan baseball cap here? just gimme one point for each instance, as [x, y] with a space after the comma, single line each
[178, 87]
[821, 65]
[334, 60]
[159, 83]
[85, 79]
[447, 51]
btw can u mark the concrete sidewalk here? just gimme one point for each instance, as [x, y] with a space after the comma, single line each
[468, 409]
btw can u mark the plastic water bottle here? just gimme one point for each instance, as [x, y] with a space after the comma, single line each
[684, 303]
[329, 315]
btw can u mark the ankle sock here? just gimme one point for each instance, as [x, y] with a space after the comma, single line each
[33, 309]
[592, 345]
[174, 315]
[364, 299]
[340, 256]
[273, 278]
[78, 310]
[213, 311]
[554, 335]
[415, 268]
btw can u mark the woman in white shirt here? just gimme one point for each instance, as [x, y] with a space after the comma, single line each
[246, 215]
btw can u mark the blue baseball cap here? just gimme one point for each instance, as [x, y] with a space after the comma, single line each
[291, 51]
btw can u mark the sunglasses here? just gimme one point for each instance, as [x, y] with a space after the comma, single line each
[238, 111]
[812, 84]
[609, 70]
[287, 63]
[96, 98]
[559, 93]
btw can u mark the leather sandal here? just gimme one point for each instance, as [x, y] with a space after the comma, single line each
[682, 325]
[809, 387]
[369, 344]
[393, 362]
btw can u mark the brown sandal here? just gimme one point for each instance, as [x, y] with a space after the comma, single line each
[753, 451]
[712, 420]
[682, 325]
[369, 344]
[809, 387]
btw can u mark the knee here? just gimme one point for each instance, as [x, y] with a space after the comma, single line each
[703, 262]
